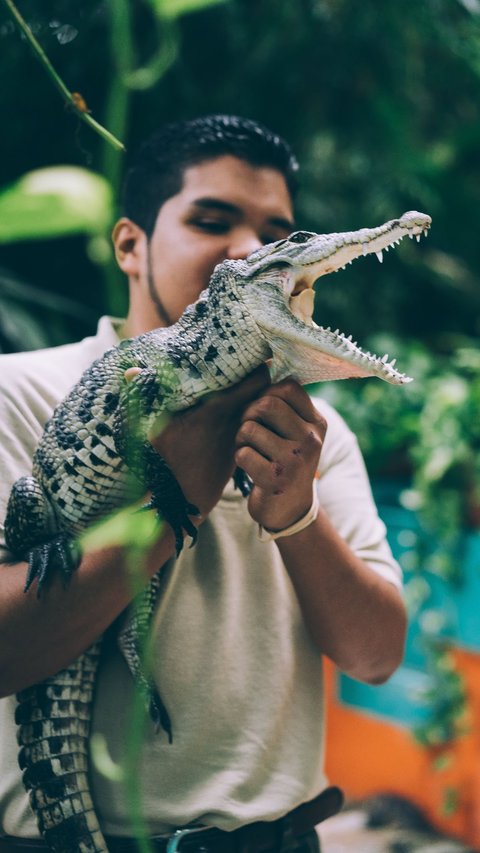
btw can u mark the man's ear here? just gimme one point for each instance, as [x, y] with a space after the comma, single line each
[130, 243]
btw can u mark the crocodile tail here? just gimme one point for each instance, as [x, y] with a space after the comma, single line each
[54, 727]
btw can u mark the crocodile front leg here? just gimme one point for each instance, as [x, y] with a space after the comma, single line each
[31, 534]
[167, 498]
[133, 418]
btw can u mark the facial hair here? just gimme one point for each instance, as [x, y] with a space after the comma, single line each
[154, 295]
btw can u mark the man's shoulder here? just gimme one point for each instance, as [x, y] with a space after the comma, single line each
[57, 368]
[334, 419]
[340, 446]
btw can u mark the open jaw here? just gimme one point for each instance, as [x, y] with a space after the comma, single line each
[344, 248]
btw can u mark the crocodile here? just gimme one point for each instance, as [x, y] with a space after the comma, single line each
[95, 448]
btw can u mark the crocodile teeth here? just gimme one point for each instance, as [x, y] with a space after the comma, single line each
[379, 256]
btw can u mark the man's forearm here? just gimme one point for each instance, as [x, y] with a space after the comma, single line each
[40, 636]
[356, 617]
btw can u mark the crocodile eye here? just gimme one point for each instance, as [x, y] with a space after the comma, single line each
[300, 236]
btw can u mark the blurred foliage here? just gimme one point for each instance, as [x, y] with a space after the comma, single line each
[49, 203]
[53, 202]
[382, 107]
[32, 318]
[449, 718]
[447, 699]
[426, 434]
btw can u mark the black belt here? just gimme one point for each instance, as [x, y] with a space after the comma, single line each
[258, 837]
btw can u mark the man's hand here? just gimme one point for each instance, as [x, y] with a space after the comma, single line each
[199, 443]
[279, 445]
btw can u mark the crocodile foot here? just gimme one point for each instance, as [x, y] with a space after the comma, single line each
[242, 481]
[176, 515]
[159, 714]
[59, 554]
[167, 498]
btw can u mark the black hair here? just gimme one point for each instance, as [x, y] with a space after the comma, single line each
[157, 170]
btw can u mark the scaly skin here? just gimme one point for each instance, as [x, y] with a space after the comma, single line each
[94, 456]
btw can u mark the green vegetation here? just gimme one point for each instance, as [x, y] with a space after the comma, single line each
[381, 104]
[425, 434]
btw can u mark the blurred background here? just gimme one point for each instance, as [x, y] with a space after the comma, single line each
[382, 104]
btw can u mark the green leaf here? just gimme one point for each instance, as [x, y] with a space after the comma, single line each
[172, 9]
[103, 760]
[126, 528]
[442, 762]
[19, 327]
[54, 202]
[450, 801]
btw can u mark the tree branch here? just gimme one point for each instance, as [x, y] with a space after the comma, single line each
[72, 99]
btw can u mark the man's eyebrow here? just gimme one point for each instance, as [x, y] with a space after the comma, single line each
[211, 203]
[208, 203]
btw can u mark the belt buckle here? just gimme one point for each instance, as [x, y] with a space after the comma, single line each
[177, 837]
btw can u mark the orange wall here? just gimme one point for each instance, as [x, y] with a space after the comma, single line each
[368, 755]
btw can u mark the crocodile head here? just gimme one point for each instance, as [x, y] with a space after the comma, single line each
[278, 289]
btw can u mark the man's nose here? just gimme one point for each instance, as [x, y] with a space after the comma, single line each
[243, 243]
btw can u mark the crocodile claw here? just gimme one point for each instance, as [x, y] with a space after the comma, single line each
[168, 499]
[242, 481]
[159, 715]
[58, 554]
[176, 515]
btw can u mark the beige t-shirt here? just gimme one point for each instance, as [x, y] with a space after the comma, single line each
[235, 666]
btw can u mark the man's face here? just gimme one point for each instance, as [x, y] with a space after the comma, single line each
[225, 209]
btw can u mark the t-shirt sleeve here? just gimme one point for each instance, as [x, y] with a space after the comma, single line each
[32, 384]
[22, 418]
[345, 494]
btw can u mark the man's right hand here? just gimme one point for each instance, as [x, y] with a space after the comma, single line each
[199, 443]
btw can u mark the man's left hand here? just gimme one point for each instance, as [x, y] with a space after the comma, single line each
[278, 445]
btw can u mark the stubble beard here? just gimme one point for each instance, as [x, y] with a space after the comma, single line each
[162, 312]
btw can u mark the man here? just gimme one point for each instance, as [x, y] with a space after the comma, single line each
[242, 624]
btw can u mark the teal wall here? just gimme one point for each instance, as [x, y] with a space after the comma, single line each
[437, 609]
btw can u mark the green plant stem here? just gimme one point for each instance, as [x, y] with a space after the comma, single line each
[116, 114]
[118, 97]
[58, 82]
[138, 717]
